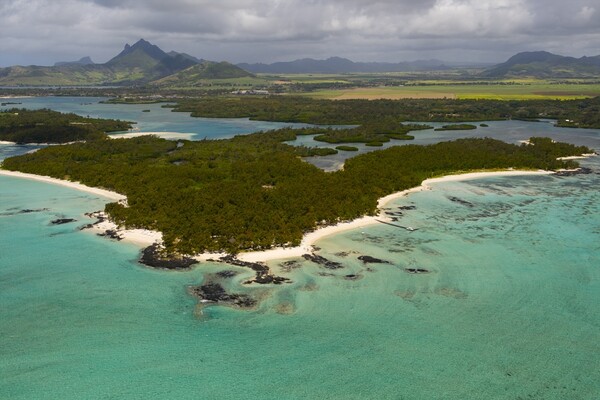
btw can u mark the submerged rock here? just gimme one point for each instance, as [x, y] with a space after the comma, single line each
[417, 270]
[152, 257]
[320, 260]
[61, 221]
[212, 292]
[352, 277]
[372, 260]
[460, 201]
[29, 211]
[227, 273]
[578, 171]
[263, 274]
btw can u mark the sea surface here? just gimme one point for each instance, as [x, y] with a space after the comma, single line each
[508, 310]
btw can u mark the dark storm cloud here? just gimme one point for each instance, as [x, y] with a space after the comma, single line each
[38, 31]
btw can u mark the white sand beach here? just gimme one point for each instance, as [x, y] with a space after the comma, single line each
[145, 237]
[164, 135]
[311, 238]
[578, 157]
[6, 142]
[73, 185]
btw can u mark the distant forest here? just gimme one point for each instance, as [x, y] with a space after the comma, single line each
[583, 113]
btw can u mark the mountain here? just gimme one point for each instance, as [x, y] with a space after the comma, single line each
[81, 61]
[542, 64]
[140, 63]
[338, 65]
[192, 58]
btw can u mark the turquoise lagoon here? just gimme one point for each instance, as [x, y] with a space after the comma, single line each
[509, 310]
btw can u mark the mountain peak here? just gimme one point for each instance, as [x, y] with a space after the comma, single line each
[141, 47]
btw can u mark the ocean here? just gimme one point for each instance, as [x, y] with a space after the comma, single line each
[507, 310]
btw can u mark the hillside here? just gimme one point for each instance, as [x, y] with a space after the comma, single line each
[542, 64]
[205, 70]
[338, 65]
[140, 63]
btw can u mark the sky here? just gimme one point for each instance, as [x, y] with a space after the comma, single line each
[41, 32]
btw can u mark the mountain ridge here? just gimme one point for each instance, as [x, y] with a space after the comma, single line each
[140, 63]
[333, 65]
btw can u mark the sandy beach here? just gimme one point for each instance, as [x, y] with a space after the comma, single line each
[311, 238]
[577, 157]
[6, 142]
[73, 185]
[145, 237]
[164, 135]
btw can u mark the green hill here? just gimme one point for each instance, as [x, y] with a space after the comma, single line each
[206, 70]
[541, 64]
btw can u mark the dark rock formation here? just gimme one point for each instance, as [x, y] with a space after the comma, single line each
[111, 234]
[153, 257]
[578, 171]
[263, 274]
[372, 260]
[61, 221]
[288, 266]
[212, 292]
[320, 260]
[352, 277]
[417, 270]
[460, 201]
[406, 208]
[227, 273]
[29, 211]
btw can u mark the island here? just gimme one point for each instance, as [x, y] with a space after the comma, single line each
[23, 126]
[254, 192]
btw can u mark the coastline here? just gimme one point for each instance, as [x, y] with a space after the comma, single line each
[73, 185]
[140, 237]
[145, 237]
[309, 239]
[164, 135]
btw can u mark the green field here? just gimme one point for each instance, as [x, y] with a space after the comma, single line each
[497, 91]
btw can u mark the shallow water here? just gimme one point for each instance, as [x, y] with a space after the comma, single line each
[508, 310]
[159, 119]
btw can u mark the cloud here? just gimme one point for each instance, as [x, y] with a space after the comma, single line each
[38, 31]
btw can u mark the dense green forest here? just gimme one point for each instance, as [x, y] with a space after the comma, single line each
[254, 191]
[583, 113]
[47, 126]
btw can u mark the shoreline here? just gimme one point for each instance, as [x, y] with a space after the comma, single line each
[309, 239]
[163, 135]
[146, 237]
[72, 185]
